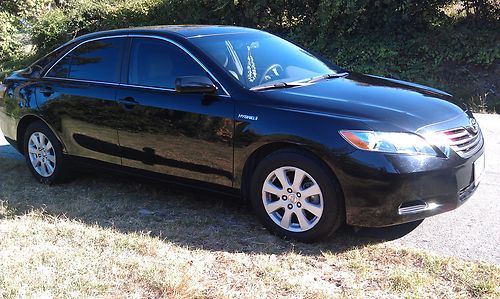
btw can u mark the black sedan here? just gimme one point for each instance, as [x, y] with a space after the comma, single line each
[238, 110]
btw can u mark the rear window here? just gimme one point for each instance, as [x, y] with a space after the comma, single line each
[98, 60]
[43, 62]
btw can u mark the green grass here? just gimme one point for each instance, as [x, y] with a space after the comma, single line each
[103, 236]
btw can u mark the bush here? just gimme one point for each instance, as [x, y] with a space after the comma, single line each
[9, 42]
[438, 42]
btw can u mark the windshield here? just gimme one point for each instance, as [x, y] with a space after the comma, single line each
[262, 59]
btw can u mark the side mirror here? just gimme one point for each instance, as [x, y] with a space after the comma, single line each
[195, 84]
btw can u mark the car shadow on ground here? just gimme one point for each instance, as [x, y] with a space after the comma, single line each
[180, 215]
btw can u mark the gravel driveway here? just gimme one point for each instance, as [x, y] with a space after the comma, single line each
[470, 232]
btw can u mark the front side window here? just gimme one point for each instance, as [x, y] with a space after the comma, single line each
[98, 60]
[157, 63]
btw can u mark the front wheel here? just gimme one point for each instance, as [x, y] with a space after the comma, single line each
[43, 154]
[296, 196]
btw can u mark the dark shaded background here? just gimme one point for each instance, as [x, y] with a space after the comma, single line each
[452, 45]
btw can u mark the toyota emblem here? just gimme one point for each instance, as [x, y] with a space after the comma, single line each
[474, 127]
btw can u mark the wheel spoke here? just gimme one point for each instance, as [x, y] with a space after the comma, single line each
[51, 158]
[312, 208]
[50, 168]
[287, 218]
[313, 190]
[32, 150]
[271, 188]
[298, 178]
[34, 139]
[42, 140]
[280, 174]
[42, 169]
[35, 162]
[274, 206]
[303, 222]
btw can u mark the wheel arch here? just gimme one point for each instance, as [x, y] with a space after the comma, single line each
[23, 124]
[264, 150]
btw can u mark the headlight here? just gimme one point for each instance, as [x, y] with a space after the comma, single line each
[389, 142]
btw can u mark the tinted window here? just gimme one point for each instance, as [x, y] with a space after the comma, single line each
[43, 62]
[158, 63]
[61, 69]
[262, 59]
[98, 61]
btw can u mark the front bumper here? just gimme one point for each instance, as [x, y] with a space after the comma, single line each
[384, 189]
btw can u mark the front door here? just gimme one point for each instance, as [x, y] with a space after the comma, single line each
[186, 135]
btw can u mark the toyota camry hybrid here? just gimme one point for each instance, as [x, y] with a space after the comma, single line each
[231, 109]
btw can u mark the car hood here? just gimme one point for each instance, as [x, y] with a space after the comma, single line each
[383, 104]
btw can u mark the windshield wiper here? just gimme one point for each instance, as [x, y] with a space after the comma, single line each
[276, 86]
[300, 82]
[327, 76]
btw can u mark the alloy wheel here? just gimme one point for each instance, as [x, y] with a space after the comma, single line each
[292, 199]
[42, 154]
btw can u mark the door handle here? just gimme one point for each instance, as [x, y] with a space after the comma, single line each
[47, 91]
[128, 103]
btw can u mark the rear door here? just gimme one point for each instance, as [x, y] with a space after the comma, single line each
[186, 135]
[77, 97]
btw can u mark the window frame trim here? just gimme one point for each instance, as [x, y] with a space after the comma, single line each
[168, 40]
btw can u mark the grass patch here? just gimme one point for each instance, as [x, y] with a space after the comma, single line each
[103, 236]
[409, 280]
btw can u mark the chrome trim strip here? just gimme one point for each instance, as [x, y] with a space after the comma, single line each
[469, 146]
[227, 95]
[118, 85]
[83, 81]
[147, 87]
[465, 142]
[419, 208]
[162, 89]
[465, 147]
[412, 209]
[456, 135]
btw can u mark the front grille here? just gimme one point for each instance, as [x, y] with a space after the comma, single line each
[464, 141]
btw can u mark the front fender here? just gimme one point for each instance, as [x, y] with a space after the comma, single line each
[273, 128]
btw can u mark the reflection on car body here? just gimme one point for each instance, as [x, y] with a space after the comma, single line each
[310, 144]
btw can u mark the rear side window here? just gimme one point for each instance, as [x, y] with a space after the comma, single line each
[98, 60]
[157, 63]
[43, 62]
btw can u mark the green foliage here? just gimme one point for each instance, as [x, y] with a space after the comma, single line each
[9, 44]
[51, 30]
[444, 43]
[26, 9]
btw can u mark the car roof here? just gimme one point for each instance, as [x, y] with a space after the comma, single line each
[178, 31]
[186, 31]
[191, 31]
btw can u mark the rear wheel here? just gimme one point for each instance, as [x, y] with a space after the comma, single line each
[43, 154]
[296, 196]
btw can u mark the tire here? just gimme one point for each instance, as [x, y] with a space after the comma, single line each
[44, 155]
[321, 213]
